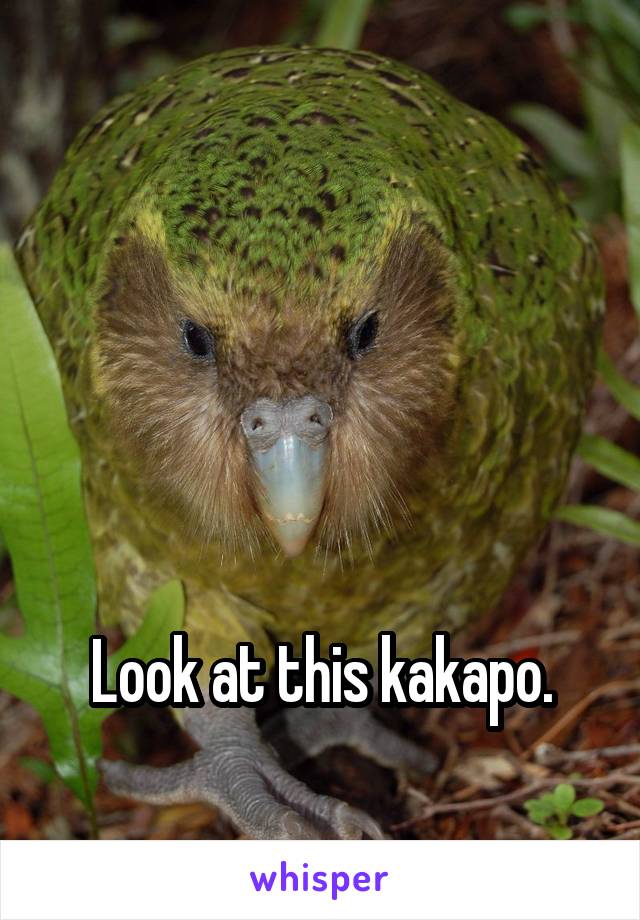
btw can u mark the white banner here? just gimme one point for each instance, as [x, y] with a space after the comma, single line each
[236, 880]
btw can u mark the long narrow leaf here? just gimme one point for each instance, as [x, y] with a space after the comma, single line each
[631, 199]
[608, 15]
[163, 615]
[611, 460]
[526, 16]
[624, 392]
[606, 113]
[342, 23]
[42, 519]
[43, 523]
[567, 145]
[603, 520]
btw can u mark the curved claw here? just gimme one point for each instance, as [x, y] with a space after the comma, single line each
[353, 824]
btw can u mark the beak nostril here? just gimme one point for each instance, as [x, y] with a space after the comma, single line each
[305, 417]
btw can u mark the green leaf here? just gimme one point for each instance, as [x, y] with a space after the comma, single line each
[597, 199]
[342, 24]
[299, 29]
[526, 16]
[631, 200]
[603, 520]
[564, 796]
[540, 809]
[606, 116]
[608, 65]
[611, 460]
[569, 147]
[40, 768]
[614, 16]
[163, 615]
[129, 29]
[42, 519]
[586, 808]
[560, 832]
[43, 522]
[538, 815]
[626, 393]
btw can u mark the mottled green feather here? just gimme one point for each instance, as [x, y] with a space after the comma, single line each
[289, 161]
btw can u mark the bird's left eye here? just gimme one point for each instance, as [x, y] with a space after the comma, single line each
[361, 336]
[198, 341]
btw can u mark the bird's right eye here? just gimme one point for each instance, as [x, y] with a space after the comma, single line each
[198, 341]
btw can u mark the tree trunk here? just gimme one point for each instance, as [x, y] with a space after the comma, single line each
[52, 78]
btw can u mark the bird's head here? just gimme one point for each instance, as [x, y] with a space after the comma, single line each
[293, 382]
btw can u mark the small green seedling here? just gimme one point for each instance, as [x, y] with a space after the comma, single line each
[554, 809]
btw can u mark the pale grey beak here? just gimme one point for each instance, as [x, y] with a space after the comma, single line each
[289, 445]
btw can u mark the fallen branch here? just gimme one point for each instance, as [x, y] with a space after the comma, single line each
[548, 755]
[613, 688]
[543, 640]
[551, 639]
[627, 777]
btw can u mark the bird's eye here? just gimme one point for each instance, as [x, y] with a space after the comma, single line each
[198, 341]
[361, 336]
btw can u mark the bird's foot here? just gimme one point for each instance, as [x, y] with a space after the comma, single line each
[236, 771]
[300, 733]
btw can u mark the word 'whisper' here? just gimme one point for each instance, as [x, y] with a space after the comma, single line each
[312, 680]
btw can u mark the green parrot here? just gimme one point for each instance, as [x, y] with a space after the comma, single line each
[326, 336]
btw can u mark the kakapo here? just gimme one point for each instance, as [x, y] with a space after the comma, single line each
[326, 336]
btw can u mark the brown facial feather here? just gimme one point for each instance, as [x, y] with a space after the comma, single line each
[175, 418]
[279, 355]
[399, 395]
[171, 433]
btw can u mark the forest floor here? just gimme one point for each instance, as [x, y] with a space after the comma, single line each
[575, 604]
